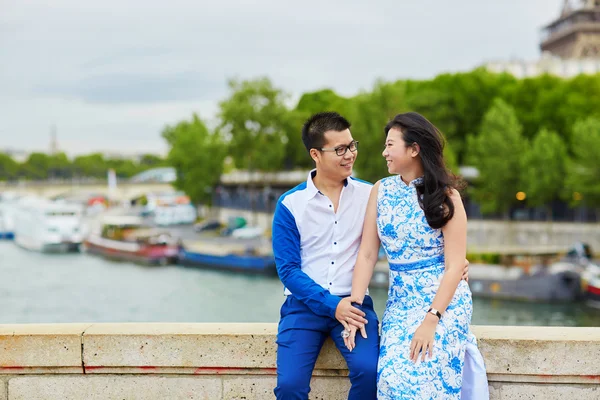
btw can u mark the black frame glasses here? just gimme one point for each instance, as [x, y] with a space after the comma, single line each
[343, 149]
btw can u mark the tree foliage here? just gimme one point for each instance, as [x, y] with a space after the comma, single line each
[255, 119]
[496, 153]
[583, 169]
[543, 168]
[197, 155]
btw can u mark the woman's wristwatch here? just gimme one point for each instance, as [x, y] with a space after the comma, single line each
[435, 312]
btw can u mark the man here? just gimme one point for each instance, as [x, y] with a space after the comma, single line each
[316, 235]
[317, 229]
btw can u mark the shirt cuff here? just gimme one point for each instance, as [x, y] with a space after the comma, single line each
[331, 303]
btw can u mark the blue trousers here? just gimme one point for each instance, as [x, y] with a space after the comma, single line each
[301, 335]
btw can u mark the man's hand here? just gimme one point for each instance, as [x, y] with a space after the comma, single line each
[348, 315]
[465, 276]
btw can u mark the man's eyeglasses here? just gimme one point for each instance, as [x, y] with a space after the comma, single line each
[341, 150]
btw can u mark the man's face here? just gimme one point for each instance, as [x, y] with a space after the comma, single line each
[330, 164]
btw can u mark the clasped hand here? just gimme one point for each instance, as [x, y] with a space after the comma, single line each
[352, 319]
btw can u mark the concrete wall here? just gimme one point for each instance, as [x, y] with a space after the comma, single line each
[529, 237]
[523, 237]
[237, 361]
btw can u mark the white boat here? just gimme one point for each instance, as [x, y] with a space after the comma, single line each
[170, 209]
[6, 221]
[44, 225]
[175, 214]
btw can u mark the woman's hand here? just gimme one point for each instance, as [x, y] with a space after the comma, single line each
[350, 341]
[422, 341]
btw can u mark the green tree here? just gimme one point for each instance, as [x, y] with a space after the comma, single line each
[456, 103]
[148, 161]
[310, 103]
[496, 153]
[36, 166]
[197, 155]
[451, 159]
[583, 170]
[8, 167]
[296, 155]
[319, 101]
[543, 169]
[579, 99]
[124, 167]
[60, 167]
[369, 113]
[90, 166]
[255, 119]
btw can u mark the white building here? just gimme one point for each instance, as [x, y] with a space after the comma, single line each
[547, 64]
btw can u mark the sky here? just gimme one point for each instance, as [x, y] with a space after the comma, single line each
[109, 75]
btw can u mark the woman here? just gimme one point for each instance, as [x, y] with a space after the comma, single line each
[418, 216]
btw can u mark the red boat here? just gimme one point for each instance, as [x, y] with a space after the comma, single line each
[127, 238]
[591, 285]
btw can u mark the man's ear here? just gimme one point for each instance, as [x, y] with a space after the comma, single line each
[314, 154]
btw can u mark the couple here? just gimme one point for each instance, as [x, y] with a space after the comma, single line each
[318, 229]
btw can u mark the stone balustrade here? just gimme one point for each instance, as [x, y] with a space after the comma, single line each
[237, 361]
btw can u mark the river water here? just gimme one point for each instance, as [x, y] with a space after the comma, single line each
[50, 288]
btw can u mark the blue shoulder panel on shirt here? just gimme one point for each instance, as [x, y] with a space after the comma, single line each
[301, 186]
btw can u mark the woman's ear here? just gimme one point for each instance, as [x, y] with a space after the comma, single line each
[415, 150]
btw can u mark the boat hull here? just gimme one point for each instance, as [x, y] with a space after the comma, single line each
[33, 244]
[7, 236]
[147, 255]
[562, 286]
[231, 262]
[592, 294]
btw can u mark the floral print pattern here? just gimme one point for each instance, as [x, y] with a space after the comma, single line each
[415, 252]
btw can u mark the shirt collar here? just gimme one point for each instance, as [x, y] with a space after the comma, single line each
[417, 181]
[310, 185]
[413, 183]
[312, 189]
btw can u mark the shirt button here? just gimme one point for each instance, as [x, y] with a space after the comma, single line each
[336, 222]
[333, 262]
[330, 206]
[334, 242]
[330, 283]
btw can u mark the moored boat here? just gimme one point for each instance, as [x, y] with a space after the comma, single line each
[47, 226]
[558, 282]
[128, 238]
[590, 279]
[6, 222]
[591, 287]
[227, 254]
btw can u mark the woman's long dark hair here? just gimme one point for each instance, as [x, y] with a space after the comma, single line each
[438, 182]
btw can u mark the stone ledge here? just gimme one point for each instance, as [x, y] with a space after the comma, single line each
[512, 354]
[132, 387]
[213, 349]
[41, 348]
[542, 354]
[69, 387]
[511, 391]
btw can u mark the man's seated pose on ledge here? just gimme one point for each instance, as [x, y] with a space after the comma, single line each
[317, 229]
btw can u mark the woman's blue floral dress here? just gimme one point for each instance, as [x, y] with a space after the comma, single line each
[415, 252]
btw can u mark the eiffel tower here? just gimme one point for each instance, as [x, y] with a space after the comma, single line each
[576, 33]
